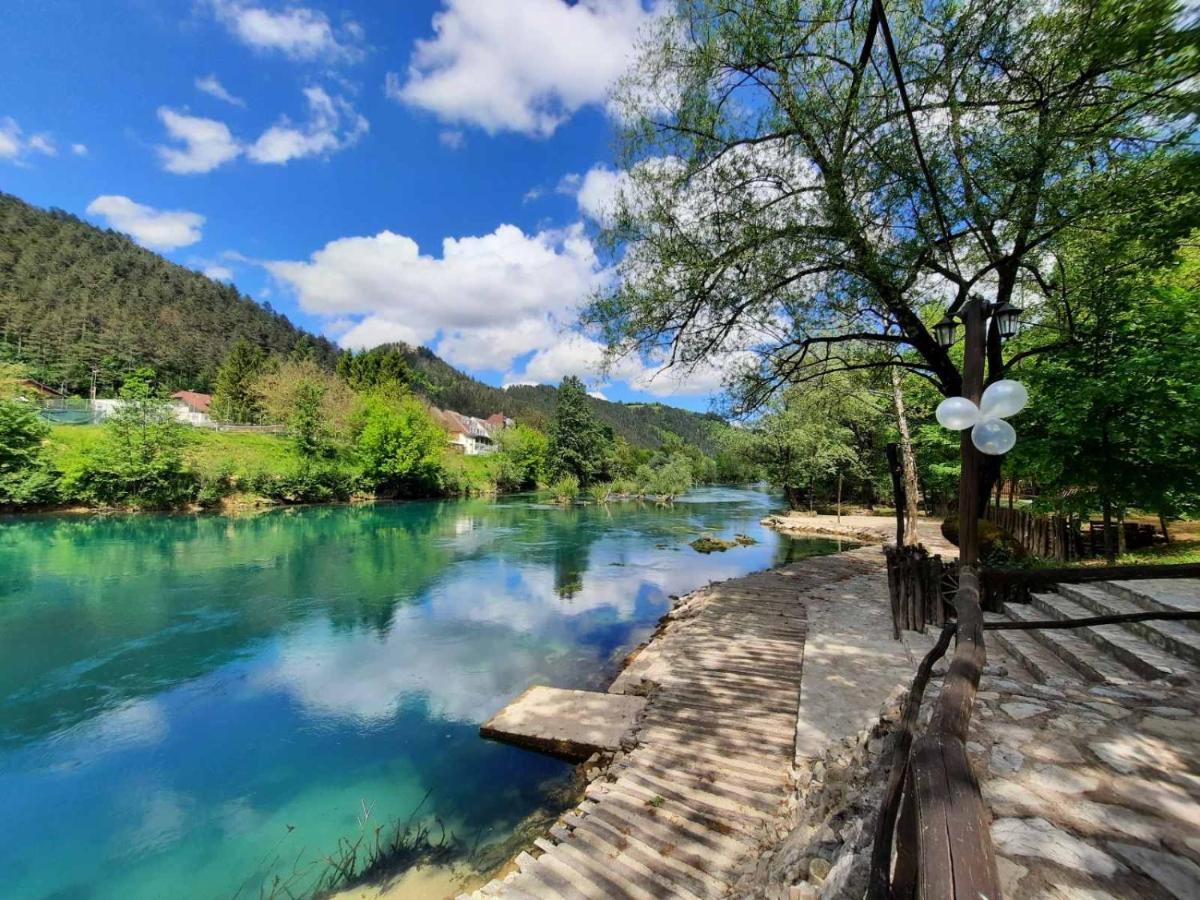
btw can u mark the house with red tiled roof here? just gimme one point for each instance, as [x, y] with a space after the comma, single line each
[469, 435]
[192, 407]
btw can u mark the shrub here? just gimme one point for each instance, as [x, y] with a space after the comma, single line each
[566, 489]
[26, 477]
[310, 482]
[216, 486]
[398, 445]
[140, 461]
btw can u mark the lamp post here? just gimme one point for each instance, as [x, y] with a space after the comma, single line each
[974, 316]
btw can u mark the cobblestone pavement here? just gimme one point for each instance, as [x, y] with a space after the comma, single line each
[1094, 790]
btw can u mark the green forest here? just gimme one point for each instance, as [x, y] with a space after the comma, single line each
[83, 307]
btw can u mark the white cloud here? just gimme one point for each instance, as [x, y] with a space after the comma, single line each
[452, 139]
[14, 146]
[10, 139]
[79, 149]
[297, 32]
[521, 65]
[211, 86]
[207, 143]
[218, 272]
[150, 227]
[489, 299]
[597, 192]
[332, 125]
[44, 144]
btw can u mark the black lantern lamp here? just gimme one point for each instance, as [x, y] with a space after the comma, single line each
[1008, 319]
[945, 331]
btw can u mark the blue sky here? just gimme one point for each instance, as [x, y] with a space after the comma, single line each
[429, 170]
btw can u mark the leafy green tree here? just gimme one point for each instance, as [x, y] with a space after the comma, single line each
[1112, 423]
[579, 444]
[384, 366]
[26, 476]
[234, 397]
[140, 461]
[523, 450]
[669, 478]
[778, 202]
[398, 444]
[314, 404]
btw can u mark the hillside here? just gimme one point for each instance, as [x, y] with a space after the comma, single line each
[76, 299]
[638, 423]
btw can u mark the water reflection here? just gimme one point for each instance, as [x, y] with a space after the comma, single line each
[190, 699]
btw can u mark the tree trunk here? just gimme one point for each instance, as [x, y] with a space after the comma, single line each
[1162, 521]
[911, 487]
[839, 499]
[1121, 532]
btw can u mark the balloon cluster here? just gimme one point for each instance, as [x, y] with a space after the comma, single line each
[989, 432]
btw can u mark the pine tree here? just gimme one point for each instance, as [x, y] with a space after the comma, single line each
[235, 399]
[579, 444]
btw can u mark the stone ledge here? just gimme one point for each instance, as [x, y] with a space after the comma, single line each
[571, 725]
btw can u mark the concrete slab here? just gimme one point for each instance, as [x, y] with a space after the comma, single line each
[569, 724]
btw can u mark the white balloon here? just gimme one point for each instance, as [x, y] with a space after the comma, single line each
[1003, 399]
[995, 437]
[957, 413]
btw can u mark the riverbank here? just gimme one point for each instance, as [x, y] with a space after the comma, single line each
[868, 529]
[729, 732]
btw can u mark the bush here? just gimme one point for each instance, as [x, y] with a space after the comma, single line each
[140, 461]
[216, 486]
[602, 491]
[523, 458]
[398, 445]
[26, 477]
[566, 489]
[310, 482]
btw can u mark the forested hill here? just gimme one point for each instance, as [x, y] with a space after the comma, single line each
[76, 299]
[639, 423]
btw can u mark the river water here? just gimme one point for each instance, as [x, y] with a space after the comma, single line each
[191, 705]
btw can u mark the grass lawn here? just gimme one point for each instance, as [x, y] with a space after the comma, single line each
[1184, 548]
[207, 450]
[247, 454]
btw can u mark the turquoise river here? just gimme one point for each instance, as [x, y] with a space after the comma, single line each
[191, 705]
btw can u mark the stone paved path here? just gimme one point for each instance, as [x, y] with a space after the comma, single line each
[1089, 755]
[711, 775]
[1094, 790]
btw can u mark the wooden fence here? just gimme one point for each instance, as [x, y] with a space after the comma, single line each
[918, 587]
[1046, 537]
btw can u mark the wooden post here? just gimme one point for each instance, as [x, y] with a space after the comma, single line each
[956, 849]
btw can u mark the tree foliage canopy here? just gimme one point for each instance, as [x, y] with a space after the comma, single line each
[776, 202]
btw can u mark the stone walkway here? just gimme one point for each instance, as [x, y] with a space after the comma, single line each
[710, 779]
[1089, 756]
[1094, 790]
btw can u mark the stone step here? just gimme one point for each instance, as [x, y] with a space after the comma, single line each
[1093, 663]
[1159, 594]
[1031, 653]
[1174, 637]
[1134, 651]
